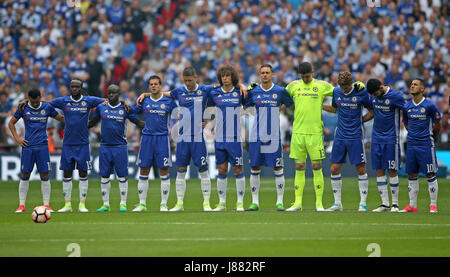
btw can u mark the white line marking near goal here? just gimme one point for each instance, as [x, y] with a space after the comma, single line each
[227, 239]
[257, 223]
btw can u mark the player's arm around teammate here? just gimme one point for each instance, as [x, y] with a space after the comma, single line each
[265, 150]
[307, 134]
[243, 90]
[227, 141]
[155, 146]
[348, 100]
[113, 147]
[75, 151]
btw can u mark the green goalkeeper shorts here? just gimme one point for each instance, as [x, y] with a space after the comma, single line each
[303, 145]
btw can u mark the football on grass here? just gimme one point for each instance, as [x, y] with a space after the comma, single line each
[40, 214]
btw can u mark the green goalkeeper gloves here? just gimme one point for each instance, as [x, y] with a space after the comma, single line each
[359, 85]
[252, 86]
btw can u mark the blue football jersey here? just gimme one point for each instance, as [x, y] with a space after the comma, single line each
[76, 115]
[420, 118]
[228, 114]
[113, 126]
[349, 109]
[157, 114]
[386, 124]
[267, 105]
[35, 121]
[192, 104]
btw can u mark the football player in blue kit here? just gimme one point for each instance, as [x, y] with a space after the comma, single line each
[75, 151]
[228, 140]
[265, 141]
[113, 147]
[422, 119]
[155, 142]
[349, 101]
[387, 104]
[192, 100]
[34, 145]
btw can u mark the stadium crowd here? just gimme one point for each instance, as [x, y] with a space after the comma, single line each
[45, 43]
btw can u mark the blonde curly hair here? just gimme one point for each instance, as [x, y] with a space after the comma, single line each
[345, 78]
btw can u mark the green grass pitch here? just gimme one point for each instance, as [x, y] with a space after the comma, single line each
[194, 233]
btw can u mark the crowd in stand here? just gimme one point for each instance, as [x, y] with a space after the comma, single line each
[45, 43]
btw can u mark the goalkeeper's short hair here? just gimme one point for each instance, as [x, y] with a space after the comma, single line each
[305, 68]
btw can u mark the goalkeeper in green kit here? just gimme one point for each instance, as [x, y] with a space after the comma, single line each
[307, 133]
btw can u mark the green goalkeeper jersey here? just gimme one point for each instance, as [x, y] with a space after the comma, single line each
[308, 99]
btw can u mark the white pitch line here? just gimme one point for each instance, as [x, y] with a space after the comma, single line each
[256, 223]
[227, 239]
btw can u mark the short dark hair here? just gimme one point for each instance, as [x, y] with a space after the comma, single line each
[34, 93]
[373, 85]
[266, 65]
[189, 71]
[225, 70]
[304, 68]
[153, 77]
[113, 88]
[422, 82]
[77, 82]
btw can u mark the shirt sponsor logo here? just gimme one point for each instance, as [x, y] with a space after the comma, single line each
[160, 112]
[384, 108]
[118, 118]
[195, 98]
[351, 105]
[270, 102]
[233, 100]
[418, 116]
[313, 95]
[41, 119]
[83, 110]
